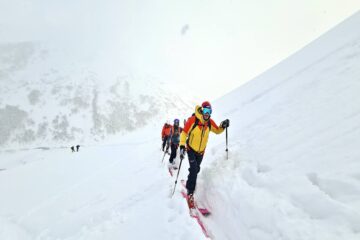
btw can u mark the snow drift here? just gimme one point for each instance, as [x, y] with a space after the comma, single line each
[293, 171]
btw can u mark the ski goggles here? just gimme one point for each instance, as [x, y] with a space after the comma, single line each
[207, 111]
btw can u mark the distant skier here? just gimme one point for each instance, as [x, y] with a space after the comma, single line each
[195, 136]
[77, 147]
[174, 140]
[165, 134]
[72, 149]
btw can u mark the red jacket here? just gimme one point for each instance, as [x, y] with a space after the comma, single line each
[166, 130]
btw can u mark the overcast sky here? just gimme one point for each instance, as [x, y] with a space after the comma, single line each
[208, 46]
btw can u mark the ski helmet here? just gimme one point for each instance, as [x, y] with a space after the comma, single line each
[206, 107]
[176, 121]
[206, 104]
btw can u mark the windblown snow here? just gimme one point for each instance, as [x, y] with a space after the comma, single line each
[293, 170]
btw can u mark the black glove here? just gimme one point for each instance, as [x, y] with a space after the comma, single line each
[225, 123]
[182, 152]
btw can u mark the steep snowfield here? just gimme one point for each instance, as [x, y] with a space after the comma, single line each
[294, 169]
[292, 173]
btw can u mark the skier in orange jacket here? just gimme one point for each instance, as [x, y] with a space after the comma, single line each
[165, 135]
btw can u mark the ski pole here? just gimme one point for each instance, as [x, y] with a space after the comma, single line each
[227, 150]
[164, 156]
[181, 159]
[166, 151]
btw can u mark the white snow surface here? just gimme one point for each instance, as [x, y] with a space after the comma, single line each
[293, 170]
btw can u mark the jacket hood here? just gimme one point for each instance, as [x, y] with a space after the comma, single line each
[198, 114]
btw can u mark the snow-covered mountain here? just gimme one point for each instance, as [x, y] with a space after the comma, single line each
[292, 173]
[49, 96]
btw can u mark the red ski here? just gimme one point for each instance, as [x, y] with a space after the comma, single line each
[196, 212]
[204, 211]
[170, 171]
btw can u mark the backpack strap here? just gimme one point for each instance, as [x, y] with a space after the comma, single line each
[194, 126]
[197, 123]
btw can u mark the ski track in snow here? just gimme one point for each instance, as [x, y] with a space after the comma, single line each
[102, 201]
[292, 172]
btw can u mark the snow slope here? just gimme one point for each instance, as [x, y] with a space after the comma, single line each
[292, 173]
[294, 167]
[113, 191]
